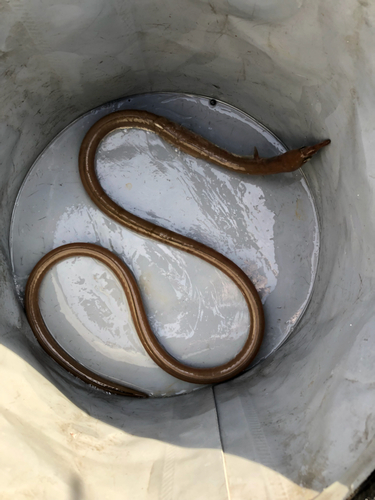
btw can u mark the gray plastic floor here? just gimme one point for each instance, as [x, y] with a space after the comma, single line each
[266, 224]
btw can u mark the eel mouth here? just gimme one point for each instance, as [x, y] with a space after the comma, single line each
[307, 152]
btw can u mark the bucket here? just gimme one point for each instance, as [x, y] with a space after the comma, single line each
[299, 423]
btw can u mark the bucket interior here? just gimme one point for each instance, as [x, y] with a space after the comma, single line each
[302, 420]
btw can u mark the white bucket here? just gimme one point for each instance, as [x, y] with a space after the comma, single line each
[300, 422]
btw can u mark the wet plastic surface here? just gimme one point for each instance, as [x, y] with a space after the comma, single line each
[266, 225]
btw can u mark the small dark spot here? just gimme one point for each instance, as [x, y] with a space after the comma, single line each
[213, 102]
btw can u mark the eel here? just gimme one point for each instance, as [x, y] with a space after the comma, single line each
[198, 147]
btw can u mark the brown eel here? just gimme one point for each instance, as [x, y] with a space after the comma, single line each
[198, 147]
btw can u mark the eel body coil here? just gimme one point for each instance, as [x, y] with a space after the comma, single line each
[197, 147]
